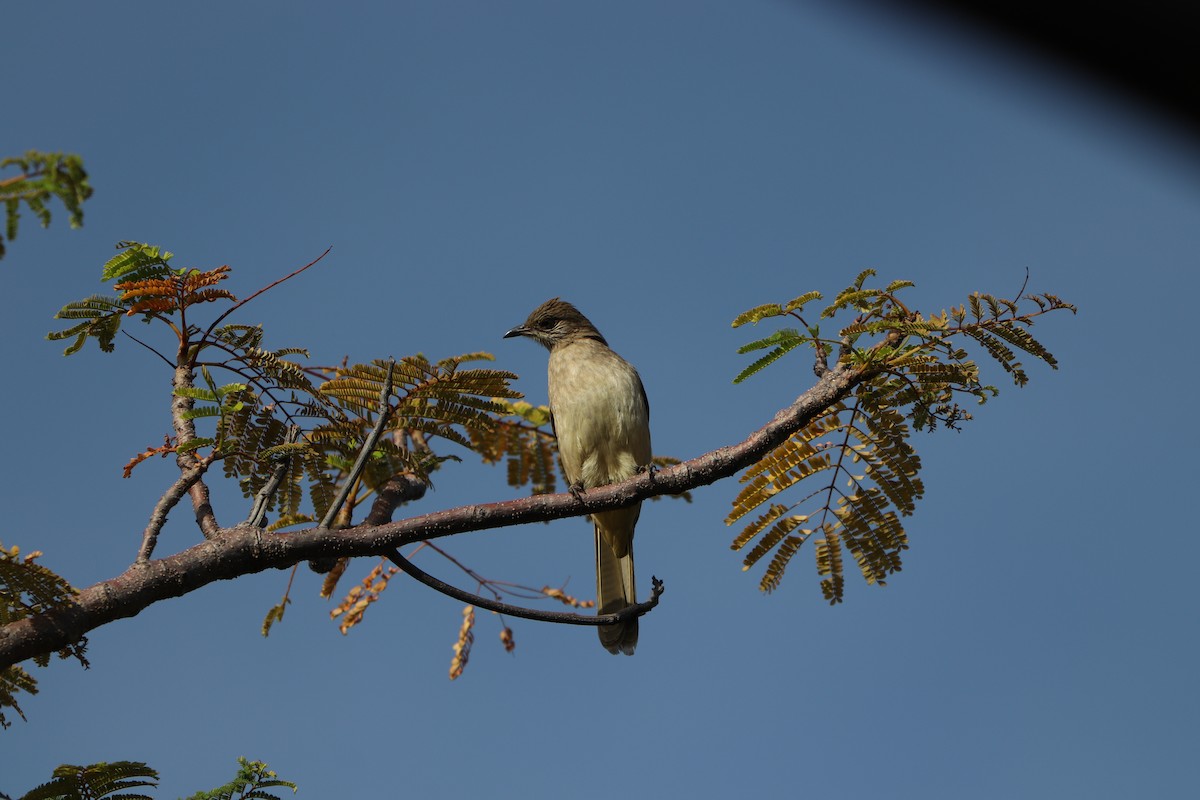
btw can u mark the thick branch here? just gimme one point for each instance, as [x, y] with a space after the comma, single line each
[185, 431]
[245, 550]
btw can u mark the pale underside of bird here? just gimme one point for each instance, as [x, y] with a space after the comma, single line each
[602, 420]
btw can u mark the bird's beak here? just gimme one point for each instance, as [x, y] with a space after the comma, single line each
[520, 330]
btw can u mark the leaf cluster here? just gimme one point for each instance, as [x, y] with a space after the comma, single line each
[437, 399]
[251, 783]
[173, 292]
[271, 392]
[428, 400]
[42, 176]
[28, 589]
[524, 439]
[290, 434]
[96, 782]
[867, 473]
[113, 780]
[149, 286]
[857, 454]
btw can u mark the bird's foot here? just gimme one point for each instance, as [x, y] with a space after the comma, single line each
[576, 490]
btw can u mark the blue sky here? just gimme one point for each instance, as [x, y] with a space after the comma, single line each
[665, 166]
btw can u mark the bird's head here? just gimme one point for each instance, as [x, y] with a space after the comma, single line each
[556, 322]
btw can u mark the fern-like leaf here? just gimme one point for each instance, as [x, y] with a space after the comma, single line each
[136, 262]
[777, 338]
[875, 436]
[28, 588]
[770, 540]
[1018, 337]
[787, 465]
[101, 317]
[14, 680]
[521, 437]
[240, 337]
[770, 358]
[43, 175]
[774, 572]
[757, 526]
[1001, 353]
[829, 564]
[798, 303]
[252, 781]
[97, 782]
[757, 314]
[865, 471]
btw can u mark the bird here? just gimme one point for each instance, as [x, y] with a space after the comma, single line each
[601, 418]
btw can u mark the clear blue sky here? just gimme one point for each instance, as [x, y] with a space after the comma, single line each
[663, 165]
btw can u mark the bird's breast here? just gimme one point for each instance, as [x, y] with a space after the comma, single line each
[600, 414]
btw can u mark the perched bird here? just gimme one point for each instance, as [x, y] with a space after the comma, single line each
[601, 417]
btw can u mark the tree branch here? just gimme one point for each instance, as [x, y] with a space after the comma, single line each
[185, 431]
[158, 517]
[244, 550]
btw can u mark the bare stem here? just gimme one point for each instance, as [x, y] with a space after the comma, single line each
[242, 302]
[561, 617]
[258, 512]
[170, 498]
[365, 451]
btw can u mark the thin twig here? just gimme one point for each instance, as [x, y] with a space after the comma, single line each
[24, 176]
[368, 447]
[1024, 283]
[479, 579]
[243, 302]
[148, 347]
[561, 617]
[497, 587]
[258, 513]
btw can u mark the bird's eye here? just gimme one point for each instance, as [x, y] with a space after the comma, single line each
[545, 324]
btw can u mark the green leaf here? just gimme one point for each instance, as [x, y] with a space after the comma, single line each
[798, 303]
[757, 314]
[136, 261]
[192, 444]
[777, 338]
[96, 781]
[196, 393]
[44, 175]
[202, 412]
[768, 359]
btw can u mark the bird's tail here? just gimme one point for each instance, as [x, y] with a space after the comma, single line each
[615, 589]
